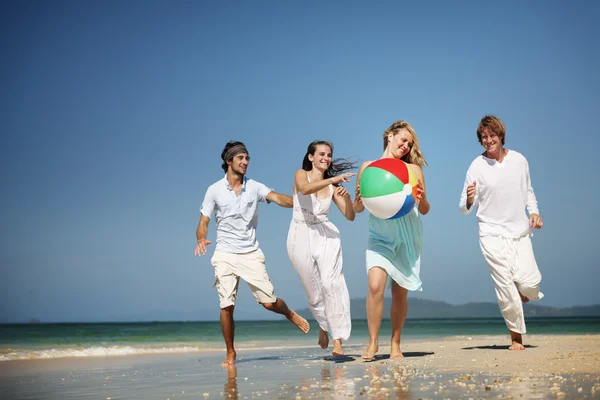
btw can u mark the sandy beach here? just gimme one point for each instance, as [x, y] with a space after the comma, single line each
[552, 366]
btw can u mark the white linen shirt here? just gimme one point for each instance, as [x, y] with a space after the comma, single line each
[503, 193]
[236, 217]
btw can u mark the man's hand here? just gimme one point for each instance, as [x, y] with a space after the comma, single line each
[200, 249]
[535, 221]
[471, 190]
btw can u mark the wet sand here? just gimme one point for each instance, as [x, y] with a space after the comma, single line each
[552, 366]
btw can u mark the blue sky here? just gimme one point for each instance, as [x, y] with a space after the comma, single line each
[114, 115]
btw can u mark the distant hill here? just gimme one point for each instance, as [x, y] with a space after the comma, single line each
[423, 308]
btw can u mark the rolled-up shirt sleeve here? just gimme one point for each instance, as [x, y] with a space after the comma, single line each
[208, 205]
[262, 192]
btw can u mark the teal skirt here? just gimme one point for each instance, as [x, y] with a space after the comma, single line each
[395, 245]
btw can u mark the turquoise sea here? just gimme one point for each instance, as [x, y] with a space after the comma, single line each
[39, 341]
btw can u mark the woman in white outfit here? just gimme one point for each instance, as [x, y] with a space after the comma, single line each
[314, 245]
[499, 186]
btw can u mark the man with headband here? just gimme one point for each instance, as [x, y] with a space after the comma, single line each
[234, 201]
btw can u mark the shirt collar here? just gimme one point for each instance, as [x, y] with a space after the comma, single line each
[226, 183]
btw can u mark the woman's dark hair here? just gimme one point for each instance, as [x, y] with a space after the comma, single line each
[337, 166]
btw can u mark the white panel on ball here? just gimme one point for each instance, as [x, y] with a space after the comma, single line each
[385, 207]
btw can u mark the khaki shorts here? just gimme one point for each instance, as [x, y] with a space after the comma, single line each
[230, 267]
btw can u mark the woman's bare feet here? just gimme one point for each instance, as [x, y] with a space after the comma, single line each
[337, 348]
[396, 352]
[517, 341]
[300, 322]
[372, 349]
[229, 360]
[323, 339]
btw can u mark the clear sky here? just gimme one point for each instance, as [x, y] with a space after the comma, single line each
[114, 115]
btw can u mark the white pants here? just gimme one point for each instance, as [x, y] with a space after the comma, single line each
[513, 268]
[316, 254]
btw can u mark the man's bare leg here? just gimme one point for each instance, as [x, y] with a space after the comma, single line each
[228, 328]
[323, 339]
[377, 278]
[517, 341]
[337, 348]
[398, 312]
[280, 307]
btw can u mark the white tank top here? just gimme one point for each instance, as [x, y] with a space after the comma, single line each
[309, 209]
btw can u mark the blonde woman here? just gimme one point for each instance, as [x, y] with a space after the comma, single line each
[394, 250]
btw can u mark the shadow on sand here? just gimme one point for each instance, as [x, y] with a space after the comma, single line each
[406, 354]
[495, 347]
[266, 358]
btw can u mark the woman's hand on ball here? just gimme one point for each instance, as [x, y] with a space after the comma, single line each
[420, 191]
[357, 197]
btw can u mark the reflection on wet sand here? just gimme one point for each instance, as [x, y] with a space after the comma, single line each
[230, 389]
[335, 384]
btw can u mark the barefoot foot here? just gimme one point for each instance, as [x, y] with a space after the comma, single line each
[300, 322]
[396, 352]
[372, 349]
[229, 360]
[517, 341]
[323, 339]
[516, 346]
[337, 348]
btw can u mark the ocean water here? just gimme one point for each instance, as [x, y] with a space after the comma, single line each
[40, 341]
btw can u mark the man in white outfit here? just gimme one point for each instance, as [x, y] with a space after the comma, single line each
[499, 185]
[234, 201]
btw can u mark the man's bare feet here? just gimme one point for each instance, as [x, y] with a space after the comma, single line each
[516, 346]
[337, 348]
[523, 298]
[229, 360]
[370, 352]
[396, 352]
[300, 322]
[323, 339]
[517, 341]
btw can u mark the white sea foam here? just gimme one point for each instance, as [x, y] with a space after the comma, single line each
[95, 351]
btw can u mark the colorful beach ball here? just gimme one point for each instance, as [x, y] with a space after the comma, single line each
[388, 188]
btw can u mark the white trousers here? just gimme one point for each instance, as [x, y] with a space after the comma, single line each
[316, 254]
[511, 263]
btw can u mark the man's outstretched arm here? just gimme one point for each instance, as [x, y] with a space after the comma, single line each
[282, 200]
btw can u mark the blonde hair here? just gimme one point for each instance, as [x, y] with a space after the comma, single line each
[414, 156]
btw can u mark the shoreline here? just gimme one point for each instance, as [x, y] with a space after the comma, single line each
[572, 350]
[562, 366]
[495, 341]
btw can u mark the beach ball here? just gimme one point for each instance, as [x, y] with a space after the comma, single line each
[388, 188]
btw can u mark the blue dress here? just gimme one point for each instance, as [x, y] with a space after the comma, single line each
[395, 245]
